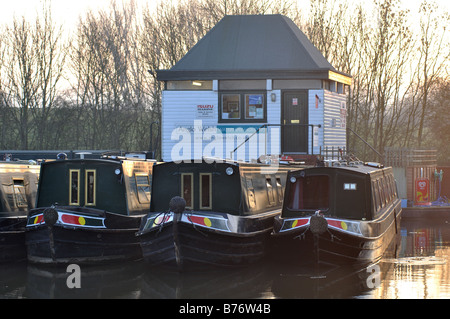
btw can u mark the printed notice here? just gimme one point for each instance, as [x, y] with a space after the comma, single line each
[204, 111]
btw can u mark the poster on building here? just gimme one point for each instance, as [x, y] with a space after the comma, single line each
[204, 111]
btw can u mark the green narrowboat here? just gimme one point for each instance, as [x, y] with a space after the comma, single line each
[207, 213]
[88, 210]
[18, 186]
[345, 214]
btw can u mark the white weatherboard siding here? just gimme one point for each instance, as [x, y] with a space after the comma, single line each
[335, 114]
[190, 128]
[274, 117]
[188, 132]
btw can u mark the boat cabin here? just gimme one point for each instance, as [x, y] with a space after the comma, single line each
[358, 192]
[120, 186]
[18, 187]
[234, 188]
[254, 85]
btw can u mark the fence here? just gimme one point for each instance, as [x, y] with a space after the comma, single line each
[404, 157]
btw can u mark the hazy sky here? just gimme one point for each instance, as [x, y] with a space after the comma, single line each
[68, 11]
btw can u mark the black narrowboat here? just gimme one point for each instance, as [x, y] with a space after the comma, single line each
[211, 213]
[88, 210]
[345, 214]
[18, 186]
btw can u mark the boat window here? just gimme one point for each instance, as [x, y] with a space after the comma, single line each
[250, 193]
[383, 192]
[90, 187]
[187, 189]
[380, 194]
[376, 195]
[350, 186]
[389, 188]
[310, 192]
[74, 190]
[394, 186]
[143, 187]
[20, 198]
[279, 190]
[205, 191]
[270, 191]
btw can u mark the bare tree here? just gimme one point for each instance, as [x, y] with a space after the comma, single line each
[434, 54]
[50, 59]
[21, 77]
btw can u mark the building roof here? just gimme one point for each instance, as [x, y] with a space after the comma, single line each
[252, 47]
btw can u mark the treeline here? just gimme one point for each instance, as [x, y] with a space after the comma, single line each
[96, 88]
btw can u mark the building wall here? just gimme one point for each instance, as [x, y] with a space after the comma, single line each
[190, 128]
[334, 120]
[189, 133]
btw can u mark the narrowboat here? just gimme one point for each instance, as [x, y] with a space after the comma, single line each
[211, 213]
[88, 210]
[346, 214]
[18, 186]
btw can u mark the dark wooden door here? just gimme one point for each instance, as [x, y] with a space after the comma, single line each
[294, 137]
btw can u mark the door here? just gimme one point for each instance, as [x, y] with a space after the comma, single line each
[294, 116]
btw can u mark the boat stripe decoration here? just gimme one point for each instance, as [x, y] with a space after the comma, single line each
[300, 222]
[218, 223]
[158, 220]
[35, 220]
[81, 220]
[289, 224]
[348, 226]
[69, 219]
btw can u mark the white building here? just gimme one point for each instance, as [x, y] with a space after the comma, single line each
[253, 85]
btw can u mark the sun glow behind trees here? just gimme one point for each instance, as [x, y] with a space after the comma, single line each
[98, 93]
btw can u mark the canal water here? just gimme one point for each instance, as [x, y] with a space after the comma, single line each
[417, 266]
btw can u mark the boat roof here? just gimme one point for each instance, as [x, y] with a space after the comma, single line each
[362, 168]
[114, 159]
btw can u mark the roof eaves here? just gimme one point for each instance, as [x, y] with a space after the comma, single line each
[171, 75]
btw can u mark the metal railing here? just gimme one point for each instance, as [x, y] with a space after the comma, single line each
[280, 125]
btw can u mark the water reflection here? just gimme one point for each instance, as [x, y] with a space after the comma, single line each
[214, 284]
[416, 266]
[421, 270]
[97, 282]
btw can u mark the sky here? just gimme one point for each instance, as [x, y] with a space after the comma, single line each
[67, 12]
